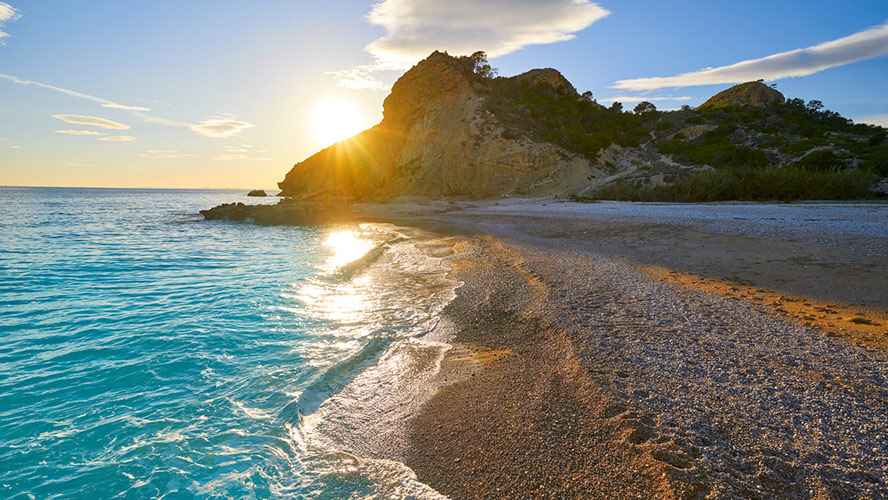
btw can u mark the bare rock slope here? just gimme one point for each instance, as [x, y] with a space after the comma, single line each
[436, 139]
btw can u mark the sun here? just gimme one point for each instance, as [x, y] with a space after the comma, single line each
[336, 119]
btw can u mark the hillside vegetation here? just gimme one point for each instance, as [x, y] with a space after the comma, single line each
[752, 143]
[452, 128]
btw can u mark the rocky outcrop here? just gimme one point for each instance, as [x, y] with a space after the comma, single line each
[548, 76]
[286, 212]
[437, 140]
[257, 192]
[750, 93]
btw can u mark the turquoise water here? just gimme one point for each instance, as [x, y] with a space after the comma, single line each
[147, 353]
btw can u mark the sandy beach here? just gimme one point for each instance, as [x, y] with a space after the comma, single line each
[658, 351]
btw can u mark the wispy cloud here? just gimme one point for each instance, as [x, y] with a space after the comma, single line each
[229, 157]
[219, 127]
[125, 107]
[213, 127]
[7, 13]
[77, 132]
[880, 120]
[118, 138]
[14, 147]
[362, 77]
[866, 44]
[641, 98]
[415, 28]
[83, 165]
[93, 121]
[236, 153]
[154, 153]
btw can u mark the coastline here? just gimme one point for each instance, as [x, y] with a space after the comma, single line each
[603, 378]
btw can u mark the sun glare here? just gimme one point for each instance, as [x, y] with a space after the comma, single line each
[346, 246]
[336, 119]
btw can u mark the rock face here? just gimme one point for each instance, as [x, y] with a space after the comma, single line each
[750, 93]
[549, 76]
[257, 192]
[436, 140]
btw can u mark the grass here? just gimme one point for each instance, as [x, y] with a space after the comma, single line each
[788, 183]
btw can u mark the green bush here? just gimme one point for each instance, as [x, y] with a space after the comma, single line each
[820, 160]
[751, 184]
[876, 160]
[562, 117]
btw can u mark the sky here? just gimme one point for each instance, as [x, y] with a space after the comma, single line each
[231, 94]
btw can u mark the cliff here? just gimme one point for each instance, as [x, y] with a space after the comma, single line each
[437, 139]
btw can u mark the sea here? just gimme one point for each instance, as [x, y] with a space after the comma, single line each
[148, 353]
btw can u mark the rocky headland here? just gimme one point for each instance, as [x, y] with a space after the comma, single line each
[452, 130]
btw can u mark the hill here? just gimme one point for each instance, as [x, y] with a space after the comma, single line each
[450, 129]
[749, 93]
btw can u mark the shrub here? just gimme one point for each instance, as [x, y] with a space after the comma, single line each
[823, 159]
[751, 184]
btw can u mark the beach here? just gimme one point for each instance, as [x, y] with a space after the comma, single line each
[668, 351]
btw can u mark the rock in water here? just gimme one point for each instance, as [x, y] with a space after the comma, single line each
[286, 212]
[257, 192]
[749, 93]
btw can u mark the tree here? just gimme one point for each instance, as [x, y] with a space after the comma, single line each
[587, 95]
[644, 107]
[480, 65]
[814, 105]
[685, 107]
[617, 106]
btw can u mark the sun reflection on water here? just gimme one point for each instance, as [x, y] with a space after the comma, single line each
[346, 306]
[347, 246]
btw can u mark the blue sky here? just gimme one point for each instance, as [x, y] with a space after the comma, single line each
[229, 88]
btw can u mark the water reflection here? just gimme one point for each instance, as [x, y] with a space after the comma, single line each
[347, 246]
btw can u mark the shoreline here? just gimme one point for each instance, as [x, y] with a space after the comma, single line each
[592, 383]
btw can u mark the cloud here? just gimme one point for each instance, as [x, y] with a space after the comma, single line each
[124, 107]
[214, 127]
[880, 120]
[118, 138]
[84, 165]
[415, 28]
[93, 121]
[14, 147]
[866, 44]
[358, 78]
[77, 132]
[7, 13]
[154, 153]
[641, 98]
[219, 127]
[234, 153]
[229, 157]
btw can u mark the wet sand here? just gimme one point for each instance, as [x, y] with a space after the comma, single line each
[618, 354]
